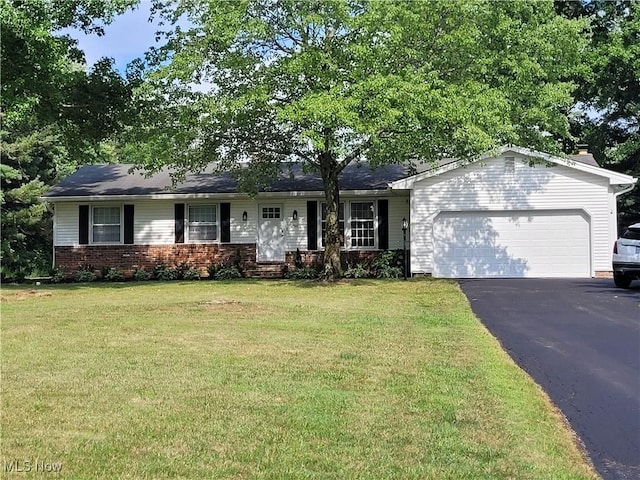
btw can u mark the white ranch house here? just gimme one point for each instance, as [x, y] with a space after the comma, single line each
[516, 213]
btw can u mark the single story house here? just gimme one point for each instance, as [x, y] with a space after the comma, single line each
[515, 213]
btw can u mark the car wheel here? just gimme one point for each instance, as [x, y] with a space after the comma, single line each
[621, 281]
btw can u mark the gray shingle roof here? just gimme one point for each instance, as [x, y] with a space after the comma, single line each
[585, 158]
[107, 180]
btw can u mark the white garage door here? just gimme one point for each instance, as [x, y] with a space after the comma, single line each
[511, 244]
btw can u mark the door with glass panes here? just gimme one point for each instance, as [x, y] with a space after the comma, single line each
[271, 229]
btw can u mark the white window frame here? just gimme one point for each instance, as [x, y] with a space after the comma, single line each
[120, 224]
[347, 224]
[189, 223]
[374, 206]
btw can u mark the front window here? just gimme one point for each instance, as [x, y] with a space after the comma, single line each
[362, 225]
[323, 223]
[202, 225]
[106, 225]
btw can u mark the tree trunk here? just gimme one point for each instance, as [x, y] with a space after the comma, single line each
[330, 170]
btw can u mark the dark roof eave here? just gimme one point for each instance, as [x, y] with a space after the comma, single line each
[211, 195]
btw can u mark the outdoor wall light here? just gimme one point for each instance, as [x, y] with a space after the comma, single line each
[244, 216]
[405, 224]
[295, 215]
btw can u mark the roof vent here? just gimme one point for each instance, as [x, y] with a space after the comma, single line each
[509, 164]
[583, 149]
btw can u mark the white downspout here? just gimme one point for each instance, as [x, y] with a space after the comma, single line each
[616, 189]
[52, 208]
[623, 189]
[626, 189]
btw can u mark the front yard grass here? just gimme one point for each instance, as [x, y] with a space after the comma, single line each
[260, 379]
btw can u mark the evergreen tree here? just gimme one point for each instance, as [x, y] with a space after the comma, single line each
[55, 115]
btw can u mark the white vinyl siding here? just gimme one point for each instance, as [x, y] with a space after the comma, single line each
[485, 187]
[66, 224]
[398, 209]
[295, 230]
[154, 221]
[244, 231]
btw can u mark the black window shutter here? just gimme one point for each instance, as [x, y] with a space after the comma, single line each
[383, 224]
[128, 224]
[312, 225]
[83, 225]
[179, 221]
[225, 222]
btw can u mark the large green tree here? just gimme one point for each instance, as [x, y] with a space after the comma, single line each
[332, 82]
[607, 112]
[55, 115]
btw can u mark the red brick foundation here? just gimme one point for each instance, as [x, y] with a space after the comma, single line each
[129, 258]
[604, 274]
[314, 257]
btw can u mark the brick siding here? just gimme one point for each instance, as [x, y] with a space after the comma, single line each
[129, 258]
[604, 274]
[314, 257]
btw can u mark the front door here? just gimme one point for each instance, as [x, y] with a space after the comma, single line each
[271, 233]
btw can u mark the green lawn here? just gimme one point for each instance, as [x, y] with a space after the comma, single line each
[259, 379]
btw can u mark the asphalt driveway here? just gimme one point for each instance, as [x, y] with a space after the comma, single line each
[580, 341]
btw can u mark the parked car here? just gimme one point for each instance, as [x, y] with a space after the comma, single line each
[626, 257]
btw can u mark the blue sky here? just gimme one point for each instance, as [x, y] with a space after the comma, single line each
[127, 38]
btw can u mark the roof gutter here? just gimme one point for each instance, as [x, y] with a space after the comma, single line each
[626, 188]
[208, 196]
